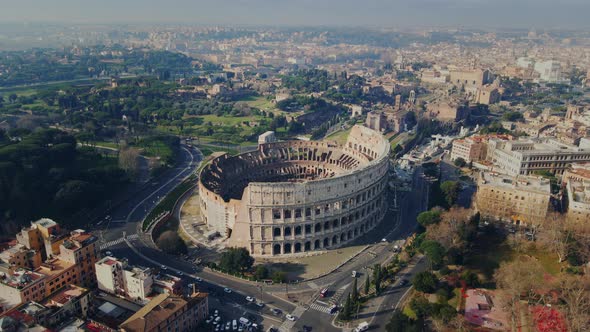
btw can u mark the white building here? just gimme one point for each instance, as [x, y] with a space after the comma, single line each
[527, 156]
[549, 71]
[267, 137]
[116, 277]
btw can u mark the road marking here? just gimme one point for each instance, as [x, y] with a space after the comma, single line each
[313, 285]
[319, 307]
[117, 241]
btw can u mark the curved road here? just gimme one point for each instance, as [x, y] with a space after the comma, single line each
[126, 218]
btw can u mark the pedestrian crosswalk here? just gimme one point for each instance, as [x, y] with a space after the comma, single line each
[117, 241]
[320, 307]
[336, 297]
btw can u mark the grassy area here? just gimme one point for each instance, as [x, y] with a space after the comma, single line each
[230, 120]
[167, 204]
[487, 254]
[260, 102]
[209, 150]
[548, 260]
[454, 301]
[339, 137]
[156, 148]
[409, 312]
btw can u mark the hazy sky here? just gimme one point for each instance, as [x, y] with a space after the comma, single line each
[473, 13]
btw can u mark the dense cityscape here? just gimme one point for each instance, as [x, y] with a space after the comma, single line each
[192, 177]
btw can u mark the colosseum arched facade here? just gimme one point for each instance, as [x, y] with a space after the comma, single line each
[295, 197]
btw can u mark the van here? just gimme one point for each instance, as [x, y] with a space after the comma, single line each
[362, 327]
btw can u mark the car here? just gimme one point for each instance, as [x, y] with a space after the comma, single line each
[180, 273]
[198, 279]
[216, 328]
[227, 290]
[228, 326]
[234, 325]
[216, 313]
[260, 304]
[250, 299]
[354, 273]
[383, 240]
[290, 317]
[403, 282]
[276, 311]
[209, 320]
[218, 319]
[108, 253]
[164, 267]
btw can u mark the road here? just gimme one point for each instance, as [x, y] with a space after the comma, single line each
[126, 218]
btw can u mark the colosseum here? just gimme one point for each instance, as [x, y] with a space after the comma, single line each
[291, 198]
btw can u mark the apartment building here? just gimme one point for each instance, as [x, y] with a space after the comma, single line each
[519, 199]
[21, 286]
[19, 256]
[81, 249]
[469, 149]
[117, 277]
[527, 156]
[167, 312]
[578, 201]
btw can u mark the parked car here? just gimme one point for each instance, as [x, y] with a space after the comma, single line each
[250, 299]
[227, 290]
[276, 311]
[290, 317]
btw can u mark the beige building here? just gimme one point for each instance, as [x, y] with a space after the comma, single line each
[470, 77]
[520, 199]
[469, 149]
[299, 196]
[81, 249]
[19, 256]
[578, 201]
[117, 277]
[487, 95]
[447, 111]
[167, 312]
[376, 121]
[58, 273]
[21, 286]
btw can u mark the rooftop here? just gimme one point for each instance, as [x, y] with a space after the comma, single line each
[155, 312]
[45, 222]
[21, 278]
[64, 295]
[53, 267]
[523, 183]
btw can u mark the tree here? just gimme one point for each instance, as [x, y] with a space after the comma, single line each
[399, 322]
[129, 160]
[261, 272]
[354, 292]
[575, 293]
[367, 285]
[434, 251]
[377, 275]
[347, 310]
[170, 242]
[12, 97]
[279, 276]
[517, 278]
[460, 162]
[428, 218]
[425, 282]
[451, 191]
[236, 260]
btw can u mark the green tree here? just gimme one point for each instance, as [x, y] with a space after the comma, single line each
[377, 276]
[170, 242]
[348, 308]
[279, 276]
[428, 218]
[261, 272]
[399, 322]
[354, 292]
[367, 285]
[434, 251]
[451, 191]
[460, 162]
[425, 282]
[235, 260]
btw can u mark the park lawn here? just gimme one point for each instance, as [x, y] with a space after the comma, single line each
[454, 301]
[548, 260]
[260, 102]
[339, 137]
[209, 150]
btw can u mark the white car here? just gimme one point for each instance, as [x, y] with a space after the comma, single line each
[163, 267]
[108, 253]
[260, 304]
[290, 317]
[228, 326]
[218, 319]
[227, 290]
[216, 313]
[250, 299]
[180, 273]
[198, 279]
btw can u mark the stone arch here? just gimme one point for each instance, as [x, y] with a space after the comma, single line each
[318, 227]
[287, 248]
[276, 249]
[307, 246]
[316, 245]
[297, 230]
[326, 225]
[342, 237]
[297, 247]
[349, 234]
[326, 242]
[287, 231]
[276, 231]
[307, 229]
[335, 239]
[335, 223]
